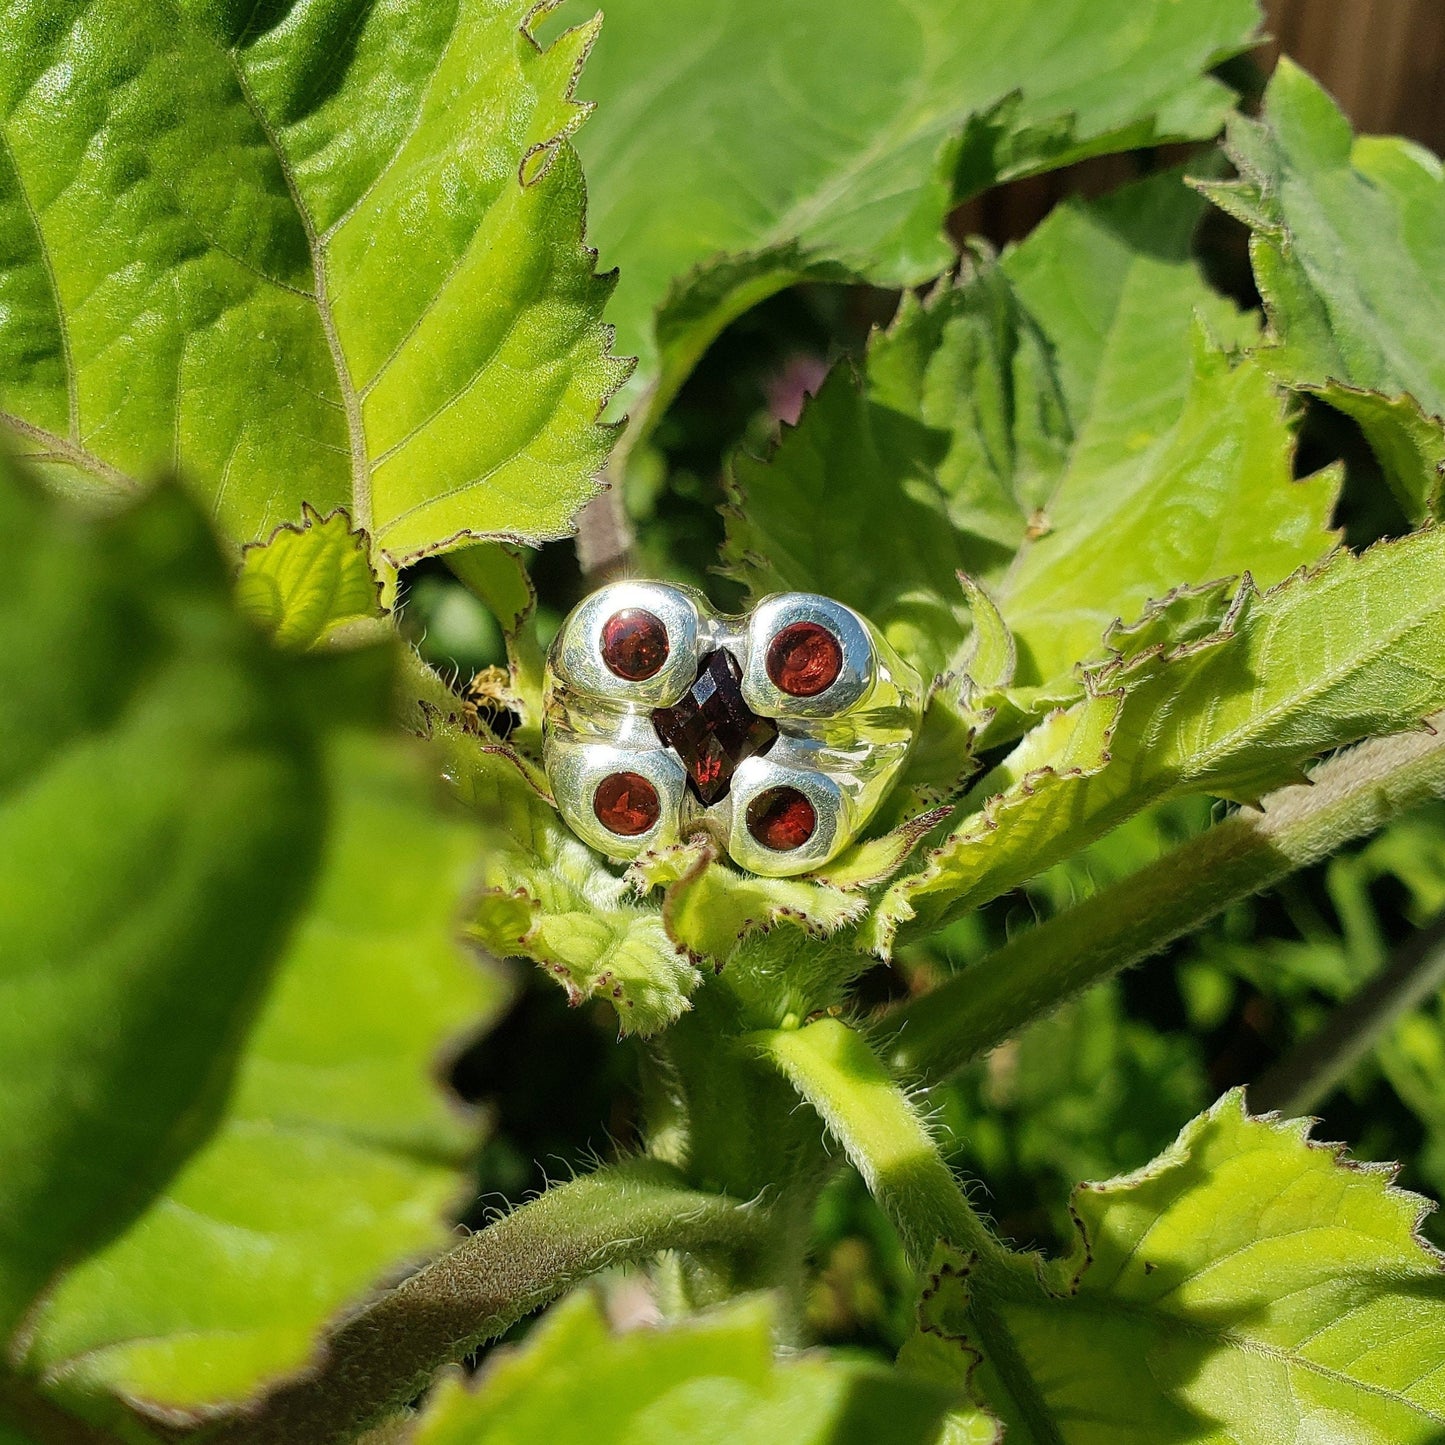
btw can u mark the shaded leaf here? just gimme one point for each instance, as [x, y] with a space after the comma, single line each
[1349, 259]
[161, 821]
[337, 1158]
[307, 582]
[222, 1000]
[846, 507]
[325, 254]
[709, 1378]
[891, 111]
[939, 1348]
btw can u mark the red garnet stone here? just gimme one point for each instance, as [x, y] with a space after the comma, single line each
[804, 659]
[712, 729]
[634, 644]
[781, 819]
[626, 804]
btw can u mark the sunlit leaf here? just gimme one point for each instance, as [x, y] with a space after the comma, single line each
[737, 148]
[1349, 651]
[1059, 427]
[305, 583]
[709, 908]
[548, 897]
[322, 253]
[1247, 1286]
[1349, 258]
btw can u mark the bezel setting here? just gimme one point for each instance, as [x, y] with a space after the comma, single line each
[841, 747]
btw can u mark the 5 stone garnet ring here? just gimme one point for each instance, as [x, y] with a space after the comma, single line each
[778, 732]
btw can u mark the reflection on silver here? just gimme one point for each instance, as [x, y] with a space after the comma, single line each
[842, 748]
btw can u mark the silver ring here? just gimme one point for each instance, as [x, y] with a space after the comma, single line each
[778, 732]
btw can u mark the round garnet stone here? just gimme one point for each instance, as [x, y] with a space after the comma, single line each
[781, 819]
[626, 804]
[634, 644]
[804, 659]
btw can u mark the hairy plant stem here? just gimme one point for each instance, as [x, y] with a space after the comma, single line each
[1352, 794]
[386, 1354]
[886, 1140]
[1312, 1070]
[724, 1118]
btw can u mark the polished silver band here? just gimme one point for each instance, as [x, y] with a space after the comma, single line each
[838, 747]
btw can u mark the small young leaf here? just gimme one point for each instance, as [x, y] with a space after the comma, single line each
[939, 1348]
[1248, 1285]
[875, 860]
[306, 582]
[1348, 259]
[891, 111]
[1022, 808]
[352, 275]
[993, 658]
[709, 907]
[548, 897]
[497, 573]
[711, 1377]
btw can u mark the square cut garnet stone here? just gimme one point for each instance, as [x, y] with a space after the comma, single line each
[712, 729]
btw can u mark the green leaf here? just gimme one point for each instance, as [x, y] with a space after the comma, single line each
[1248, 1285]
[548, 897]
[1058, 427]
[993, 658]
[874, 860]
[1348, 256]
[939, 1348]
[888, 113]
[1349, 651]
[161, 820]
[1179, 468]
[306, 583]
[325, 254]
[851, 482]
[709, 908]
[337, 1158]
[708, 1379]
[1021, 818]
[222, 1001]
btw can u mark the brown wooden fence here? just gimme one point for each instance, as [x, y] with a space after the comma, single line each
[1383, 60]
